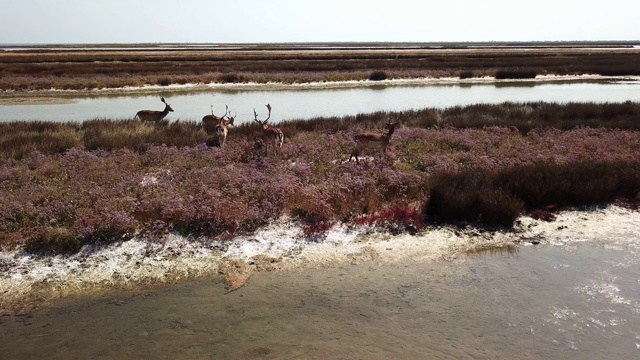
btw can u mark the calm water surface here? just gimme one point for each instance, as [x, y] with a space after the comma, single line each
[306, 104]
[543, 302]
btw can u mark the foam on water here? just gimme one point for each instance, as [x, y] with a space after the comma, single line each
[141, 262]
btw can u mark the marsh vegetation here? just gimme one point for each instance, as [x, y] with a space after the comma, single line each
[69, 184]
[94, 68]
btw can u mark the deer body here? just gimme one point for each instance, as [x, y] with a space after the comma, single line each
[154, 116]
[270, 133]
[275, 134]
[222, 130]
[371, 140]
[219, 124]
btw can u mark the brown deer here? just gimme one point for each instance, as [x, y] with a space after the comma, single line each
[219, 124]
[270, 133]
[154, 116]
[370, 140]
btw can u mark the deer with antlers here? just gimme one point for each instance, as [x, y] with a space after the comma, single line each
[371, 140]
[270, 133]
[219, 124]
[154, 116]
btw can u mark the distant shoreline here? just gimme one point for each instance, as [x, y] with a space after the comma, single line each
[59, 96]
[345, 45]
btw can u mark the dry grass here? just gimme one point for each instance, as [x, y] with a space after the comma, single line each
[20, 139]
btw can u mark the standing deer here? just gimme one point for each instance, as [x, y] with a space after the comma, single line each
[219, 124]
[369, 140]
[154, 116]
[270, 133]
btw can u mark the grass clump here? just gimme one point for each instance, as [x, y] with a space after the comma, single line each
[515, 74]
[498, 197]
[164, 81]
[54, 240]
[471, 197]
[467, 74]
[378, 75]
[230, 78]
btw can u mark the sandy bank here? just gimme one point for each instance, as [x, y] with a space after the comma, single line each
[28, 282]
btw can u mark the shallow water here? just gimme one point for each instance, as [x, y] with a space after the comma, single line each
[540, 302]
[319, 100]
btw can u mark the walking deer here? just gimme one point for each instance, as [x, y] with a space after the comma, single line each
[371, 140]
[154, 116]
[270, 133]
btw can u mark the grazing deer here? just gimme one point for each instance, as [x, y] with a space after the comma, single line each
[369, 140]
[270, 133]
[219, 124]
[153, 115]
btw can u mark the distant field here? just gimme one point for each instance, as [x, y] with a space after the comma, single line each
[77, 67]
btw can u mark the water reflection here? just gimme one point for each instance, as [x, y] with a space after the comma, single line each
[318, 102]
[521, 84]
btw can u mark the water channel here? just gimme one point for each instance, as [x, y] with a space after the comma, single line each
[315, 101]
[543, 302]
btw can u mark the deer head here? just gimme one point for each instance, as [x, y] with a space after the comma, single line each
[167, 106]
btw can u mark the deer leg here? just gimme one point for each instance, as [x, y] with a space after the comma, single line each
[355, 154]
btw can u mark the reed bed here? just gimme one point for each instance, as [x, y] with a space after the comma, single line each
[108, 180]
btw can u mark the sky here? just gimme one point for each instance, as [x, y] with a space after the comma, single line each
[278, 21]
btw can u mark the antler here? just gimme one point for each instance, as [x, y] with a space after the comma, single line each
[226, 112]
[255, 115]
[268, 108]
[230, 119]
[162, 99]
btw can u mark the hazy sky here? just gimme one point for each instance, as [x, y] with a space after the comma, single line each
[136, 21]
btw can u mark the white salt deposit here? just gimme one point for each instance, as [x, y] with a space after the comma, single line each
[140, 262]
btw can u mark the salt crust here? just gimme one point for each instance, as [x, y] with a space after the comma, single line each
[280, 246]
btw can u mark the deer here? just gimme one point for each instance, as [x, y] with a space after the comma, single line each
[369, 140]
[270, 133]
[219, 124]
[154, 116]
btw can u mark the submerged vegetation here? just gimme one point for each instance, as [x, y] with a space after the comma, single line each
[69, 184]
